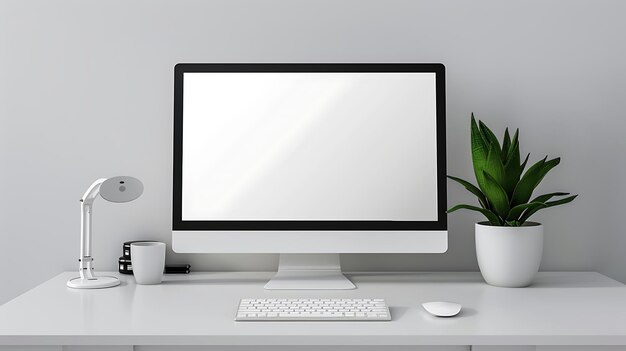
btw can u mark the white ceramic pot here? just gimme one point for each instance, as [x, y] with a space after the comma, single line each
[509, 256]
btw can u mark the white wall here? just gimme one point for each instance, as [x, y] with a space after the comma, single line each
[86, 91]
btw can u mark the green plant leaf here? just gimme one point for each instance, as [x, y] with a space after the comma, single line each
[546, 197]
[533, 176]
[525, 162]
[526, 185]
[506, 145]
[491, 138]
[478, 133]
[493, 167]
[479, 152]
[496, 196]
[472, 189]
[561, 201]
[512, 171]
[516, 211]
[514, 149]
[530, 212]
[491, 217]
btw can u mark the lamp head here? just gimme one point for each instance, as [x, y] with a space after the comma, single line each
[121, 189]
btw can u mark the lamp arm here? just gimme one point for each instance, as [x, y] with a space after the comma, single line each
[92, 192]
[86, 203]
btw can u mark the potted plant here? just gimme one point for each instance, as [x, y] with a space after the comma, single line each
[508, 246]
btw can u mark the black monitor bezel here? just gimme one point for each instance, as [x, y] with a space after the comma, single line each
[311, 225]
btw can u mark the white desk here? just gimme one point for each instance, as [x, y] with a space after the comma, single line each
[195, 312]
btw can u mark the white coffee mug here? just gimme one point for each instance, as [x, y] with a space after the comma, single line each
[148, 260]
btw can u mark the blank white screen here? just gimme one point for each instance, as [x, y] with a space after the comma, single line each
[309, 146]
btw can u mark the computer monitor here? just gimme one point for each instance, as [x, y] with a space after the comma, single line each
[309, 161]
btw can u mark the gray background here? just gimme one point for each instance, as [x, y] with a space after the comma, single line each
[86, 92]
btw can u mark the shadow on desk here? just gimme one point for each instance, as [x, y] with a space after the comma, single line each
[218, 279]
[397, 312]
[546, 280]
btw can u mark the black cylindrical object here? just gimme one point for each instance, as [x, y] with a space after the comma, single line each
[125, 266]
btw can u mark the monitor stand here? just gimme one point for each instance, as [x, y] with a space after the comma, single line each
[309, 271]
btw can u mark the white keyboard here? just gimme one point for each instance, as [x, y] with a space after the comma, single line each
[313, 310]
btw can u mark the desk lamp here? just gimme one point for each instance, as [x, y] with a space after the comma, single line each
[116, 189]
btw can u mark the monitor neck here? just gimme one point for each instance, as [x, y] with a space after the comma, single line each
[309, 271]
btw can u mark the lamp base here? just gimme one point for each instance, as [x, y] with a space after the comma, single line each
[96, 283]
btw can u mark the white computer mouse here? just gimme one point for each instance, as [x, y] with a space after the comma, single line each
[442, 309]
